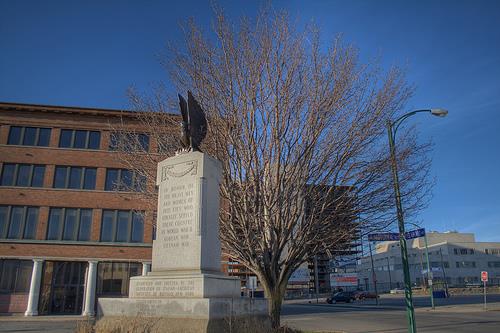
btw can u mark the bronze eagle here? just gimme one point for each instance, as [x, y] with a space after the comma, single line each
[194, 123]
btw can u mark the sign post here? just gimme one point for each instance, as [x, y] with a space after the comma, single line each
[484, 278]
[374, 275]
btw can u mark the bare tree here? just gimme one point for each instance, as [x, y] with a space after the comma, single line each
[300, 131]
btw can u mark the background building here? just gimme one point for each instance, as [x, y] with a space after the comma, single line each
[68, 230]
[456, 259]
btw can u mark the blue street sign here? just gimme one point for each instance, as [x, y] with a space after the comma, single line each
[415, 233]
[394, 236]
[388, 236]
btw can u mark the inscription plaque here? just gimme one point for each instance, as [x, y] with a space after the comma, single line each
[166, 288]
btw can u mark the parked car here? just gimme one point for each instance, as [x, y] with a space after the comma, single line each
[368, 295]
[342, 296]
[359, 294]
[397, 291]
[364, 295]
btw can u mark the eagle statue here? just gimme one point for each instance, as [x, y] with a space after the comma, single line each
[193, 125]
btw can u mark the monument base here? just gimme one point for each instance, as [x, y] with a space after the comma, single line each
[197, 315]
[170, 284]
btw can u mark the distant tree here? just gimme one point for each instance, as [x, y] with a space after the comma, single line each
[300, 130]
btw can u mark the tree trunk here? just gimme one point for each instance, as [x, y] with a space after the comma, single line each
[275, 301]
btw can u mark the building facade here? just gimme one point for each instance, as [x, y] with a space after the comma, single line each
[455, 259]
[69, 231]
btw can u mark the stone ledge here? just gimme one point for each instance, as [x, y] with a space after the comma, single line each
[187, 285]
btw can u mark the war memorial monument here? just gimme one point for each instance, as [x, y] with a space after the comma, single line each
[186, 290]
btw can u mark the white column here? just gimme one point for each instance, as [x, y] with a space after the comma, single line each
[90, 287]
[36, 277]
[146, 268]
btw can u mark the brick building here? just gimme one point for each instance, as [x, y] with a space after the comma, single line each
[69, 233]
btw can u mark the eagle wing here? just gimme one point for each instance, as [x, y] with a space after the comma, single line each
[197, 122]
[185, 122]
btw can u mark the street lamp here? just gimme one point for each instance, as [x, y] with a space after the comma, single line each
[392, 128]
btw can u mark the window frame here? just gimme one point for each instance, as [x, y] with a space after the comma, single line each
[142, 140]
[102, 276]
[117, 186]
[14, 285]
[15, 175]
[73, 139]
[114, 226]
[20, 141]
[67, 177]
[8, 218]
[62, 225]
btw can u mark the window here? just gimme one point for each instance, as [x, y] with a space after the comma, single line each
[113, 277]
[72, 224]
[15, 276]
[122, 226]
[18, 222]
[75, 177]
[29, 136]
[128, 141]
[124, 180]
[28, 175]
[465, 264]
[494, 264]
[80, 139]
[445, 264]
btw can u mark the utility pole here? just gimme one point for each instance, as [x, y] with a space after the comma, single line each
[410, 311]
[389, 270]
[392, 127]
[444, 272]
[374, 275]
[316, 282]
[429, 273]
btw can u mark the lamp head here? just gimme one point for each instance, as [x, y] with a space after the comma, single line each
[439, 112]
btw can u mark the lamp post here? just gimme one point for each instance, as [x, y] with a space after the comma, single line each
[392, 128]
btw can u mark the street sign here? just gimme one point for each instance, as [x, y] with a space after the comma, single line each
[380, 237]
[394, 236]
[415, 233]
[484, 278]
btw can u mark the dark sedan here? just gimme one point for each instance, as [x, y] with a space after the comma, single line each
[342, 296]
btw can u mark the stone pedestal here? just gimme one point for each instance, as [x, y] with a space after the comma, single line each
[185, 281]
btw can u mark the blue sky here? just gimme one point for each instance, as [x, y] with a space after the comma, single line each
[87, 53]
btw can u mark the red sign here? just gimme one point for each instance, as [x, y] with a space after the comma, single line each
[484, 276]
[343, 279]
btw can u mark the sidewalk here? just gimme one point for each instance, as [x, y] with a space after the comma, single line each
[462, 308]
[21, 317]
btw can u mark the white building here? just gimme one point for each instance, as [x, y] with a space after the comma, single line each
[454, 257]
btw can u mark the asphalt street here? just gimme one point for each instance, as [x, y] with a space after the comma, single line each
[456, 314]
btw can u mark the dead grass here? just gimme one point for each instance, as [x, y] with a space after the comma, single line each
[162, 325]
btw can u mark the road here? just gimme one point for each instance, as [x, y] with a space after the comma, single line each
[457, 314]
